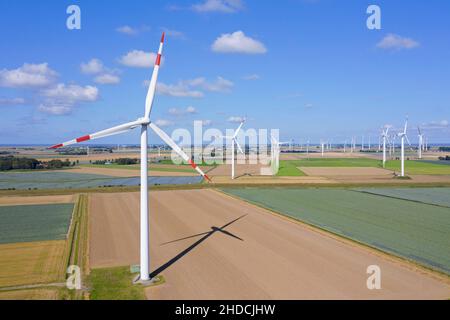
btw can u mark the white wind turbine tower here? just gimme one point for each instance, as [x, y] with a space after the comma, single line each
[403, 137]
[420, 148]
[322, 144]
[384, 135]
[143, 123]
[392, 143]
[234, 141]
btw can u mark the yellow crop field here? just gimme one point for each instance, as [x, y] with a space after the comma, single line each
[29, 263]
[30, 294]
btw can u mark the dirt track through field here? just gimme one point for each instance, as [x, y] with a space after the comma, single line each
[210, 246]
[130, 172]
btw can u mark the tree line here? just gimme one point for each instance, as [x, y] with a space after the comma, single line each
[22, 163]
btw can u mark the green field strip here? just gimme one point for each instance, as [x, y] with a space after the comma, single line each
[411, 230]
[411, 166]
[432, 196]
[34, 222]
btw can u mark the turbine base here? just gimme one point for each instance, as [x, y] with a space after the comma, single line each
[150, 282]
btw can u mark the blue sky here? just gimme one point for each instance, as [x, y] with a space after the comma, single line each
[308, 67]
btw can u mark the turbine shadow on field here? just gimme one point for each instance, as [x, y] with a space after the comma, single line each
[205, 235]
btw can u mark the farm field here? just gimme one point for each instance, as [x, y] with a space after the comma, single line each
[436, 196]
[419, 167]
[17, 200]
[152, 167]
[412, 230]
[443, 162]
[23, 223]
[411, 167]
[200, 239]
[346, 171]
[32, 262]
[30, 294]
[68, 180]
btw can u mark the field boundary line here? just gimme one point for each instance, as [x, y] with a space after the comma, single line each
[33, 286]
[118, 189]
[409, 264]
[398, 198]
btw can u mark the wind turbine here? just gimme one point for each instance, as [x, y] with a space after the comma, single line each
[384, 135]
[143, 123]
[403, 137]
[322, 147]
[234, 141]
[420, 148]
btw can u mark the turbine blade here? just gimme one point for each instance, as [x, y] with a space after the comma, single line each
[239, 147]
[239, 128]
[152, 85]
[100, 134]
[410, 146]
[177, 149]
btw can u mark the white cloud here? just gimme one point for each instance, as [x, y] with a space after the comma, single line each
[107, 78]
[11, 101]
[181, 112]
[55, 108]
[238, 42]
[219, 85]
[27, 76]
[104, 75]
[225, 6]
[394, 41]
[191, 110]
[173, 33]
[309, 105]
[72, 92]
[132, 31]
[442, 124]
[138, 59]
[177, 90]
[62, 99]
[207, 123]
[163, 123]
[94, 66]
[127, 30]
[192, 87]
[251, 77]
[235, 119]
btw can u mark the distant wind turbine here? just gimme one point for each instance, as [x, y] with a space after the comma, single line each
[403, 137]
[234, 142]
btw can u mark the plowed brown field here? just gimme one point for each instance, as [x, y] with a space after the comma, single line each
[211, 246]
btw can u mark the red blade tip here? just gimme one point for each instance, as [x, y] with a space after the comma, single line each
[162, 37]
[56, 146]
